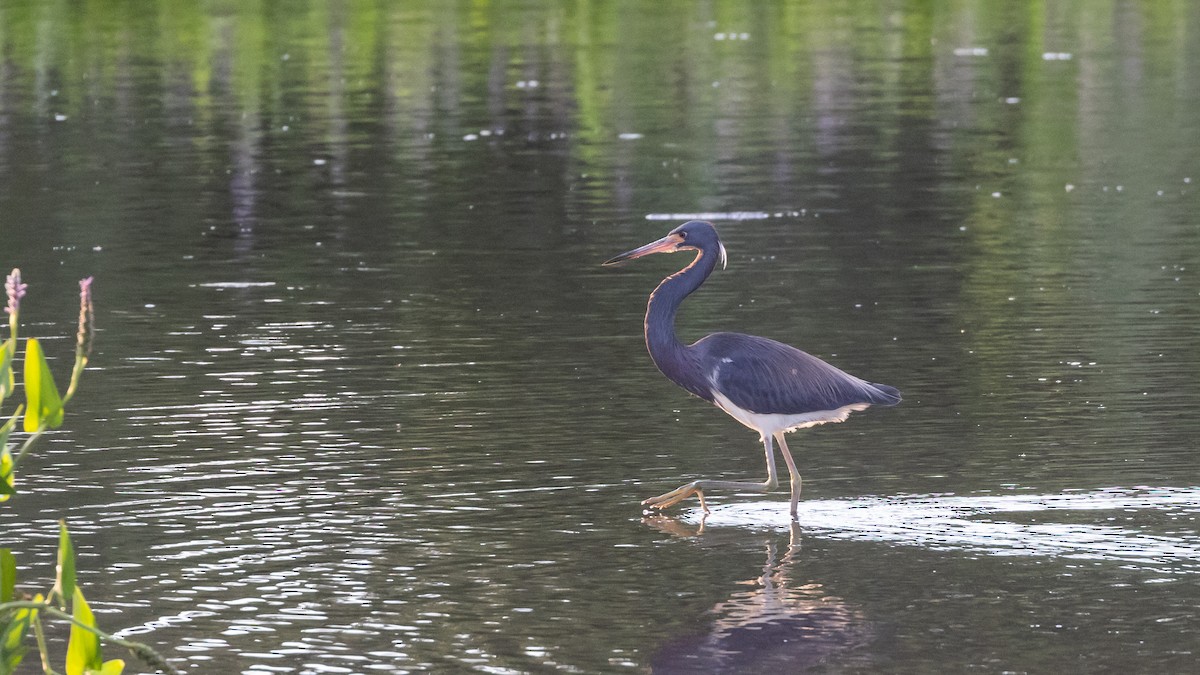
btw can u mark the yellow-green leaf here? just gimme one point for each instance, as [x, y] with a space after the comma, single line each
[7, 482]
[44, 407]
[113, 667]
[83, 649]
[12, 638]
[64, 583]
[8, 381]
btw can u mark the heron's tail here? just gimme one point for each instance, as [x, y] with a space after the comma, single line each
[882, 394]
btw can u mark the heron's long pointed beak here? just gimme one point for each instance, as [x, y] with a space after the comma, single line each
[665, 245]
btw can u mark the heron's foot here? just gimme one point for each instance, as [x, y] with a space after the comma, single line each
[669, 499]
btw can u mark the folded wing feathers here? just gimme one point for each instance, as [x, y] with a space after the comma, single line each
[766, 376]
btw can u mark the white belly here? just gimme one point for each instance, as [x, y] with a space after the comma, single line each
[774, 423]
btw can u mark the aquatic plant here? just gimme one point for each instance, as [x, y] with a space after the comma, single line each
[44, 409]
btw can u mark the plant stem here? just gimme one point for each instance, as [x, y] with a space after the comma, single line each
[80, 364]
[142, 651]
[41, 641]
[26, 446]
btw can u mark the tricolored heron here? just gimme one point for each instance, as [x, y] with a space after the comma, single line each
[766, 385]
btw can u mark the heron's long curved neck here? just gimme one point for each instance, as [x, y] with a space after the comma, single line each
[668, 353]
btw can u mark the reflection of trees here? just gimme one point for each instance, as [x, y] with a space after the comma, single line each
[198, 126]
[772, 626]
[803, 91]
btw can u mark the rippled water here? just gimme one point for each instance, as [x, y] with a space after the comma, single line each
[364, 401]
[982, 524]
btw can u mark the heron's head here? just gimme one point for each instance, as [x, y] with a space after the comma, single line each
[694, 235]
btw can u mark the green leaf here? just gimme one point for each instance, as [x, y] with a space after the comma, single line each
[7, 482]
[64, 583]
[83, 649]
[12, 626]
[8, 575]
[8, 381]
[12, 638]
[12, 421]
[44, 408]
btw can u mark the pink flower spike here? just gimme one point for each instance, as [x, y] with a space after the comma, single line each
[86, 319]
[15, 290]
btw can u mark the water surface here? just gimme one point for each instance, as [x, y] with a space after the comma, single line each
[364, 401]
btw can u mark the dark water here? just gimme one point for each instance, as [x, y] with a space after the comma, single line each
[364, 401]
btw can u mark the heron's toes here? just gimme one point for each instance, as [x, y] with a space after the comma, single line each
[669, 499]
[666, 501]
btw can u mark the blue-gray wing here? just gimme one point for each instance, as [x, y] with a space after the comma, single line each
[765, 376]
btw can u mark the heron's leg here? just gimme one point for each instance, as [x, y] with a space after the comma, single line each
[791, 465]
[697, 487]
[772, 478]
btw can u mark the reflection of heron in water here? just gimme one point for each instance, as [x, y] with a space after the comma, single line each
[769, 627]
